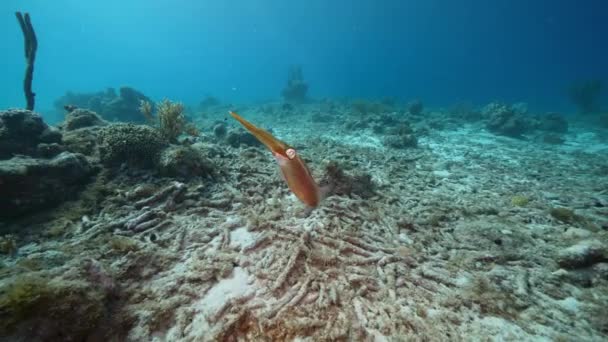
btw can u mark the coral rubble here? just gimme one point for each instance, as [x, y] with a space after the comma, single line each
[469, 234]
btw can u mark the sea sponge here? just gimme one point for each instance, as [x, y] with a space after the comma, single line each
[136, 145]
[564, 214]
[519, 201]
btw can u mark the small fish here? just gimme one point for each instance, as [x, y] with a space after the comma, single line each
[295, 172]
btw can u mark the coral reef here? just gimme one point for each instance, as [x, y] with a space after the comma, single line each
[296, 88]
[469, 235]
[123, 106]
[138, 146]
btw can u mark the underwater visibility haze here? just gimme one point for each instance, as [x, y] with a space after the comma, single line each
[265, 170]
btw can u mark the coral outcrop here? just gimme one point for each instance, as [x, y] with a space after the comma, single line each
[136, 145]
[238, 137]
[554, 123]
[415, 107]
[22, 131]
[184, 162]
[400, 137]
[586, 95]
[80, 130]
[505, 120]
[32, 184]
[81, 118]
[123, 106]
[341, 183]
[296, 89]
[35, 172]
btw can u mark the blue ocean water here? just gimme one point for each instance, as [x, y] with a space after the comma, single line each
[439, 51]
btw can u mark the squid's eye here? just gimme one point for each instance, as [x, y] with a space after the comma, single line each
[291, 153]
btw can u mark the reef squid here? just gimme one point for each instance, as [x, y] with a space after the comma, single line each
[294, 170]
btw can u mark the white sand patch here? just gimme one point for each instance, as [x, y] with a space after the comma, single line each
[235, 286]
[569, 303]
[502, 330]
[242, 238]
[362, 140]
[442, 173]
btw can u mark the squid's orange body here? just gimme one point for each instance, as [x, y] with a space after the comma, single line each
[294, 170]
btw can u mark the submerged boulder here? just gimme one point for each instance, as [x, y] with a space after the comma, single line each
[583, 254]
[80, 118]
[31, 184]
[554, 123]
[238, 137]
[505, 120]
[21, 131]
[125, 107]
[184, 162]
[340, 183]
[59, 310]
[80, 130]
[401, 136]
